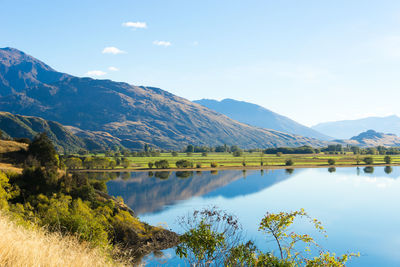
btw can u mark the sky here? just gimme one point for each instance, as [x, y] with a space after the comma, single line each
[310, 60]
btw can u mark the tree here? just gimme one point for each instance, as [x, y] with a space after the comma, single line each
[368, 160]
[174, 153]
[190, 148]
[162, 164]
[237, 153]
[43, 150]
[125, 162]
[289, 162]
[150, 164]
[73, 163]
[331, 161]
[388, 159]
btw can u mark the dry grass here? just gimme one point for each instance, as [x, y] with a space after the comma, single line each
[35, 247]
[11, 146]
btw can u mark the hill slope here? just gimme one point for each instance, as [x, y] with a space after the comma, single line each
[259, 116]
[134, 114]
[18, 126]
[372, 138]
[348, 128]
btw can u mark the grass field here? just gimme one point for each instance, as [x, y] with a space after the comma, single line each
[254, 159]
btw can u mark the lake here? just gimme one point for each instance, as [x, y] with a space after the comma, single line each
[360, 209]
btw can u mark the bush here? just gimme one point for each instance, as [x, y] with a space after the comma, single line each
[204, 154]
[174, 153]
[331, 161]
[388, 159]
[198, 165]
[238, 153]
[289, 162]
[244, 163]
[184, 164]
[214, 165]
[150, 164]
[162, 164]
[368, 160]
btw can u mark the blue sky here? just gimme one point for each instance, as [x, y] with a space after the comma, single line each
[313, 61]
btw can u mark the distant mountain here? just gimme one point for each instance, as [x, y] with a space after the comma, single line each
[18, 126]
[348, 128]
[256, 115]
[133, 114]
[372, 138]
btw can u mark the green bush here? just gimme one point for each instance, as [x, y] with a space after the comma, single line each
[213, 164]
[368, 160]
[184, 164]
[198, 165]
[388, 159]
[162, 164]
[150, 164]
[331, 161]
[289, 162]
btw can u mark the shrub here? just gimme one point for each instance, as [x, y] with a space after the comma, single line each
[331, 161]
[162, 164]
[214, 164]
[388, 159]
[289, 162]
[204, 154]
[150, 164]
[244, 163]
[174, 153]
[184, 164]
[198, 165]
[237, 153]
[368, 160]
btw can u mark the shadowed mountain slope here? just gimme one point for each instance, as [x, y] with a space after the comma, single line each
[133, 114]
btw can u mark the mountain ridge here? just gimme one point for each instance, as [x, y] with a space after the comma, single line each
[346, 129]
[259, 116]
[134, 114]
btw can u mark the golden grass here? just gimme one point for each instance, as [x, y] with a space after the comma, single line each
[36, 247]
[11, 146]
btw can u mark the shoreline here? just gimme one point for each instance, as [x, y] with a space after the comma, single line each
[272, 167]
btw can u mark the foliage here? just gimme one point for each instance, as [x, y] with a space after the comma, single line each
[368, 160]
[237, 153]
[162, 164]
[331, 161]
[73, 163]
[150, 164]
[184, 164]
[388, 159]
[290, 150]
[214, 164]
[289, 162]
[43, 150]
[210, 236]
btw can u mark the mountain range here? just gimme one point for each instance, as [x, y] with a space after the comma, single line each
[259, 116]
[372, 138]
[133, 115]
[349, 128]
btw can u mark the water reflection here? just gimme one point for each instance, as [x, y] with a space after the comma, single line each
[356, 205]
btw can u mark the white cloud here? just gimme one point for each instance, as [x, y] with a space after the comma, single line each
[113, 69]
[95, 73]
[112, 50]
[162, 43]
[135, 25]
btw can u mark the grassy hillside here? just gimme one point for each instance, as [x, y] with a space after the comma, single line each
[68, 139]
[22, 246]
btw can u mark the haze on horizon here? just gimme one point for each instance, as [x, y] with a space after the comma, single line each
[312, 61]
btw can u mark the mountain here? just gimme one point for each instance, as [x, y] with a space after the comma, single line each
[134, 114]
[18, 126]
[372, 138]
[348, 128]
[256, 115]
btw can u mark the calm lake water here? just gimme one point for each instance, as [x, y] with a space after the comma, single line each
[359, 210]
